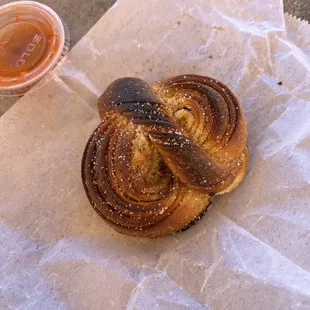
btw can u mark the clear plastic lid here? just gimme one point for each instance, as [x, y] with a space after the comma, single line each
[33, 39]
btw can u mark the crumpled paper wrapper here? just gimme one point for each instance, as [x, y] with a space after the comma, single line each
[250, 251]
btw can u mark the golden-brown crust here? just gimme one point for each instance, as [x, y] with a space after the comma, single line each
[161, 151]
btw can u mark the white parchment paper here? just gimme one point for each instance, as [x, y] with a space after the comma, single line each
[250, 251]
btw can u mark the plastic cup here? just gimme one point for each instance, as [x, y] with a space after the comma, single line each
[33, 40]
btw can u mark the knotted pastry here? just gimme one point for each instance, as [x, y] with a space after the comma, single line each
[161, 151]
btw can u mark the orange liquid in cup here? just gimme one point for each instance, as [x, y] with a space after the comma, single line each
[32, 41]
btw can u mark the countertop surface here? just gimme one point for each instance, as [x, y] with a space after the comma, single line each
[80, 16]
[298, 8]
